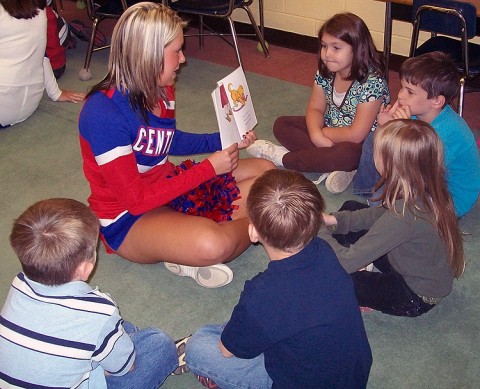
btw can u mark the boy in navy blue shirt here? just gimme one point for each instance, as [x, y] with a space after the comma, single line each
[297, 324]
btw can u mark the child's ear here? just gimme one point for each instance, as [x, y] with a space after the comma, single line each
[439, 101]
[252, 233]
[84, 269]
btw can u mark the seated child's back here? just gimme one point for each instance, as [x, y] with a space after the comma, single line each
[56, 330]
[297, 324]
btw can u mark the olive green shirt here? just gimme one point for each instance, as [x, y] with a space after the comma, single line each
[412, 244]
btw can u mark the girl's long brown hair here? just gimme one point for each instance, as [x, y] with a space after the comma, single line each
[409, 156]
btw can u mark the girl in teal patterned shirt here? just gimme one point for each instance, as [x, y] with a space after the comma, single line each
[347, 94]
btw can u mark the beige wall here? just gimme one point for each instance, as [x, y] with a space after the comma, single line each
[306, 16]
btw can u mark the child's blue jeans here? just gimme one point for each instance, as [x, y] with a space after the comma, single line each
[367, 175]
[205, 359]
[156, 358]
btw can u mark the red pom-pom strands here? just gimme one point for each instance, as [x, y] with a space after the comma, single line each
[212, 199]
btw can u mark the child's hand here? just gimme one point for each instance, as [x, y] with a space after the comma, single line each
[384, 117]
[402, 112]
[386, 114]
[226, 160]
[329, 220]
[71, 97]
[249, 138]
[320, 140]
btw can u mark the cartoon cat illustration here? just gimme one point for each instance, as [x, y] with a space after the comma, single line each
[237, 95]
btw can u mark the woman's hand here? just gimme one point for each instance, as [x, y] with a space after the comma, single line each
[249, 138]
[226, 160]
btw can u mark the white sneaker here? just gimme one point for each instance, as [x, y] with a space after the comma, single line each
[268, 150]
[213, 276]
[338, 181]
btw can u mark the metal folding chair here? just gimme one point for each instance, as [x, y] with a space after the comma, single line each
[221, 9]
[451, 24]
[97, 14]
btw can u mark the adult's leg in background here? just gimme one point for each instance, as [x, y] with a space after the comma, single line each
[245, 174]
[170, 236]
[165, 235]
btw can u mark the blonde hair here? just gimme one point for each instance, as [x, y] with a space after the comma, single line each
[409, 156]
[137, 53]
[52, 237]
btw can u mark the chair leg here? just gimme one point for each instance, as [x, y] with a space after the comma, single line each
[235, 41]
[85, 73]
[258, 33]
[91, 44]
[461, 96]
[58, 5]
[201, 37]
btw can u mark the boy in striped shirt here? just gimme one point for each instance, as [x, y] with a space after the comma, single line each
[58, 332]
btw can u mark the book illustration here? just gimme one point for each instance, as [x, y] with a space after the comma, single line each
[238, 96]
[233, 108]
[225, 104]
[228, 129]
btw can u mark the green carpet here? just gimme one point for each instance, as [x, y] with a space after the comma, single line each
[40, 158]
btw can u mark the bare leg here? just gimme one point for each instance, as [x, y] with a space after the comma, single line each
[167, 235]
[245, 174]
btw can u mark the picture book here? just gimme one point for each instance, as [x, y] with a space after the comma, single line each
[233, 107]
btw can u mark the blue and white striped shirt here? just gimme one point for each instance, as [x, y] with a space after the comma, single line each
[63, 336]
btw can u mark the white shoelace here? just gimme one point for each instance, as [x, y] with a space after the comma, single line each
[321, 178]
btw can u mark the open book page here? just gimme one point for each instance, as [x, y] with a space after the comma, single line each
[228, 129]
[234, 107]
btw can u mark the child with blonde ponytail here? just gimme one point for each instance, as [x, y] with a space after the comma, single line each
[413, 238]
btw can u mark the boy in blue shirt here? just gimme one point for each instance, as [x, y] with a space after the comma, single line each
[57, 331]
[297, 324]
[429, 83]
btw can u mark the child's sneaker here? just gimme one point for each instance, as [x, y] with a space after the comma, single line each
[321, 178]
[213, 276]
[338, 181]
[268, 150]
[182, 364]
